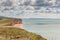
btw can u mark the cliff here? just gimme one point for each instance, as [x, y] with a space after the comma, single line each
[10, 33]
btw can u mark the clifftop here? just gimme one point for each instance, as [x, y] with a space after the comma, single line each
[10, 33]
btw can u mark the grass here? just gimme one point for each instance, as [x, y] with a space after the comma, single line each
[11, 33]
[8, 33]
[5, 21]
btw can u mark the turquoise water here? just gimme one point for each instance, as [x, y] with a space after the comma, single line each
[48, 28]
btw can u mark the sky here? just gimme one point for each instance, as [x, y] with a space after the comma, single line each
[30, 8]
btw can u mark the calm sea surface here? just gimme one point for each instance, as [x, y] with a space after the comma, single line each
[48, 28]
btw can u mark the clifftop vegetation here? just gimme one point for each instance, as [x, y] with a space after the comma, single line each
[10, 33]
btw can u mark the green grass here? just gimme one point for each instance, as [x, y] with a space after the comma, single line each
[8, 33]
[5, 21]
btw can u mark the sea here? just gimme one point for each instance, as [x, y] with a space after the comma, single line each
[46, 27]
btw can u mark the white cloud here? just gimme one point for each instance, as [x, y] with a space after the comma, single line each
[21, 12]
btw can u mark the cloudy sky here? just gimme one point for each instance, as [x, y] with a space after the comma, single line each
[30, 8]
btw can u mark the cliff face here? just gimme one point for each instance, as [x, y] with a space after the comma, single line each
[8, 33]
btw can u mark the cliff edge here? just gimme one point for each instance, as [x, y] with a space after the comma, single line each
[10, 33]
